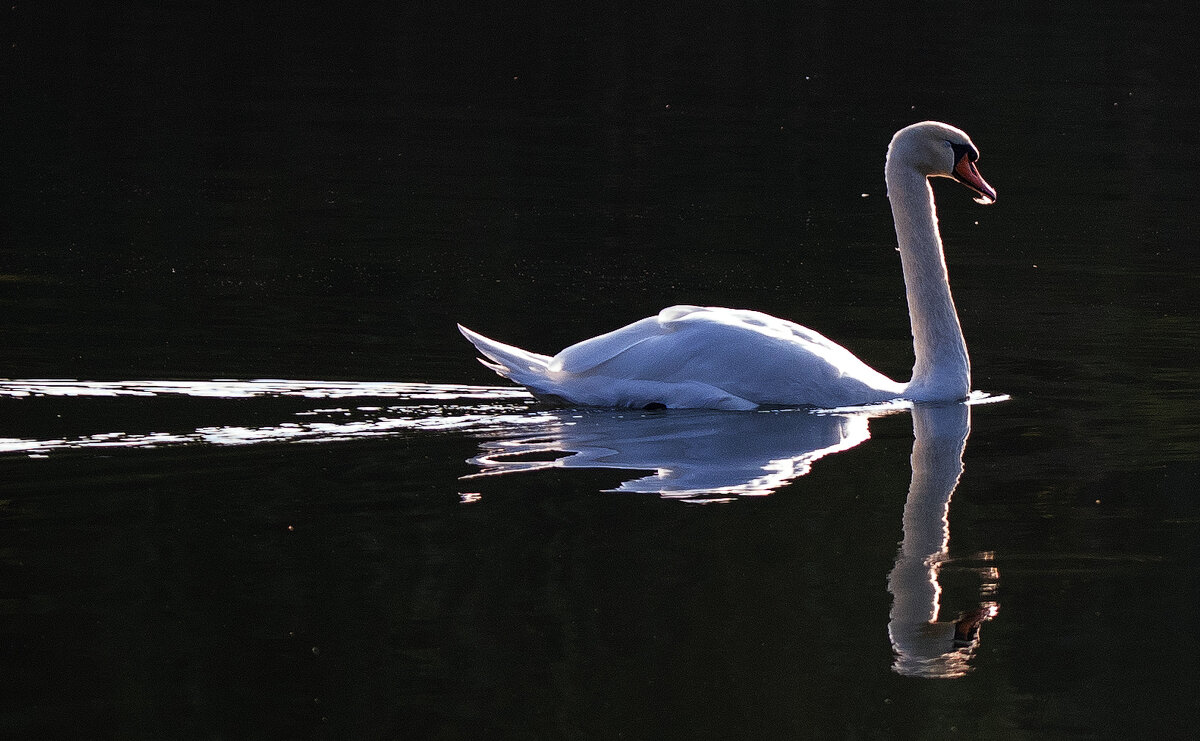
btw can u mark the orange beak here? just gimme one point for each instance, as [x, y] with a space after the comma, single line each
[966, 173]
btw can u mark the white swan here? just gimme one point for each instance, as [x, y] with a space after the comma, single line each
[693, 357]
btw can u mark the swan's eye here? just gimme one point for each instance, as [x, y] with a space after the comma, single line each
[963, 149]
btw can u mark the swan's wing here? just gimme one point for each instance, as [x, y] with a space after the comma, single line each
[751, 355]
[584, 356]
[695, 328]
[679, 317]
[767, 346]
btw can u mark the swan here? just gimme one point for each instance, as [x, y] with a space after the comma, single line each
[718, 358]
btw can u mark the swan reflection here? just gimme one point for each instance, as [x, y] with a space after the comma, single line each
[702, 456]
[697, 455]
[923, 645]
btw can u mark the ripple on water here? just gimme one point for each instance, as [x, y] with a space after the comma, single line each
[394, 409]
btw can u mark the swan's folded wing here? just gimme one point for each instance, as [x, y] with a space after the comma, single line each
[770, 360]
[695, 331]
[756, 322]
[583, 356]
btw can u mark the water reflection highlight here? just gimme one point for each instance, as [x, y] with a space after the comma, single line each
[396, 408]
[241, 389]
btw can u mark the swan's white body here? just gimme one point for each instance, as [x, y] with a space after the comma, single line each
[716, 358]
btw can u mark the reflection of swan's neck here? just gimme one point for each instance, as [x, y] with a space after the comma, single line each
[942, 370]
[939, 438]
[924, 647]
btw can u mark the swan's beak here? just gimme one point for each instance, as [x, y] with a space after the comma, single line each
[967, 173]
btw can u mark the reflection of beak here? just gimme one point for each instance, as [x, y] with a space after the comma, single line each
[966, 628]
[966, 173]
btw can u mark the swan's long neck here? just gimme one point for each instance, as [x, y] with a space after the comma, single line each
[942, 370]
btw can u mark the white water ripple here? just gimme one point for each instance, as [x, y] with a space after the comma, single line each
[395, 408]
[234, 389]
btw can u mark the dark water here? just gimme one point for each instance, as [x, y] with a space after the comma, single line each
[388, 545]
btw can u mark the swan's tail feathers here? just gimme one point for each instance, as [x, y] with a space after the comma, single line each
[524, 367]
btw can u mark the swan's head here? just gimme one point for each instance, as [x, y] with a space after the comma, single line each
[939, 150]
